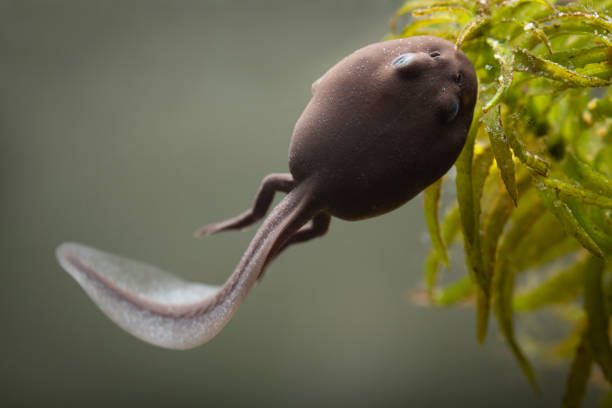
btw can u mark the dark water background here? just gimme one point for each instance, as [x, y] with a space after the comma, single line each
[127, 124]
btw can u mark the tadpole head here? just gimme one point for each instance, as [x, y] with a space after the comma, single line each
[439, 65]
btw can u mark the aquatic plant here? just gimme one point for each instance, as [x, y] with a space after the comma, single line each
[533, 207]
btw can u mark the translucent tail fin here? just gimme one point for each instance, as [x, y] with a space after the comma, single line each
[164, 310]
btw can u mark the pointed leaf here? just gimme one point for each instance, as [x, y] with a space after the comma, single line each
[565, 190]
[543, 246]
[483, 311]
[566, 348]
[579, 57]
[596, 222]
[503, 284]
[531, 160]
[463, 180]
[533, 28]
[565, 215]
[454, 293]
[470, 29]
[418, 4]
[450, 228]
[576, 385]
[599, 21]
[515, 3]
[506, 59]
[411, 5]
[432, 205]
[480, 171]
[501, 150]
[525, 61]
[588, 176]
[601, 70]
[583, 34]
[494, 222]
[414, 26]
[457, 13]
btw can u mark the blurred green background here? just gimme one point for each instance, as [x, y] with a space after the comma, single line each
[127, 124]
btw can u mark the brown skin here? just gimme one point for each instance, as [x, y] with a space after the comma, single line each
[379, 129]
[383, 124]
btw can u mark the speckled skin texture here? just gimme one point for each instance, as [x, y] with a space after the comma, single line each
[383, 124]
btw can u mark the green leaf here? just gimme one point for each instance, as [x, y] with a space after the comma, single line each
[540, 248]
[601, 70]
[432, 265]
[534, 29]
[531, 160]
[417, 4]
[483, 310]
[528, 62]
[576, 384]
[454, 293]
[480, 171]
[551, 136]
[567, 347]
[493, 224]
[411, 5]
[565, 190]
[575, 33]
[566, 216]
[588, 176]
[561, 287]
[432, 204]
[451, 224]
[515, 3]
[463, 180]
[450, 228]
[579, 57]
[456, 13]
[503, 283]
[414, 27]
[506, 59]
[594, 19]
[596, 222]
[482, 167]
[501, 150]
[598, 319]
[470, 29]
[603, 161]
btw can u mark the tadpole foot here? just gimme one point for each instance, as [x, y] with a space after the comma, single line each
[272, 183]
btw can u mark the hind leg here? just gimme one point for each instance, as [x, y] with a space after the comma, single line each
[318, 227]
[270, 184]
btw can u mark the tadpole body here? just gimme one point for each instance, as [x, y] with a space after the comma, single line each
[382, 124]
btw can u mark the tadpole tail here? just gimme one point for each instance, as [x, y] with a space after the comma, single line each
[167, 311]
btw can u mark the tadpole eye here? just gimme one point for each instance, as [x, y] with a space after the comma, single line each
[452, 112]
[434, 54]
[459, 79]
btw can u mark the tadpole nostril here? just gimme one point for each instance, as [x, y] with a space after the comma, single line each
[434, 54]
